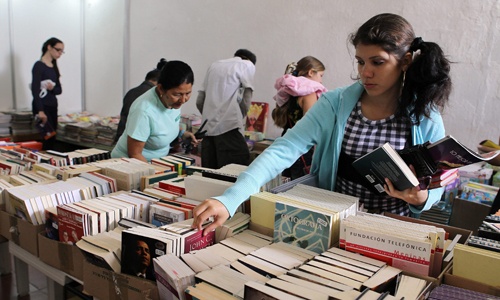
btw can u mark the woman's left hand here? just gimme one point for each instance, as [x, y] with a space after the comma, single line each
[414, 196]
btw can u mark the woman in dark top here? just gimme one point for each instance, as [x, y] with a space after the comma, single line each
[45, 85]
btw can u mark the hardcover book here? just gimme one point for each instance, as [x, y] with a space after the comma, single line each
[385, 162]
[427, 159]
[304, 227]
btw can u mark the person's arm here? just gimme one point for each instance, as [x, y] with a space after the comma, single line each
[200, 101]
[36, 79]
[246, 101]
[306, 102]
[280, 155]
[430, 129]
[57, 89]
[134, 149]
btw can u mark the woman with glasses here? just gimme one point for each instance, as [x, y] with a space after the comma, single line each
[45, 86]
[153, 119]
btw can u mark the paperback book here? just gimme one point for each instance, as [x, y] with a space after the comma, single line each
[427, 159]
[301, 226]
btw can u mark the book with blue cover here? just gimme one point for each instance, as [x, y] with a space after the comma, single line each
[303, 227]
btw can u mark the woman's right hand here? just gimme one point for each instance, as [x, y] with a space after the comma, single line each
[209, 208]
[42, 116]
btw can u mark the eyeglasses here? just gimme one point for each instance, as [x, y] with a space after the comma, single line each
[59, 50]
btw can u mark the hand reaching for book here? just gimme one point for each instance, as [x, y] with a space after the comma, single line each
[209, 208]
[414, 196]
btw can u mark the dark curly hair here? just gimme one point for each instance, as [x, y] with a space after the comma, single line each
[427, 82]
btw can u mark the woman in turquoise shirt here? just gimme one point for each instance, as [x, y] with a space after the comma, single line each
[153, 121]
[402, 84]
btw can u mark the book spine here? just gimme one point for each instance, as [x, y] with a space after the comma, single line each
[172, 188]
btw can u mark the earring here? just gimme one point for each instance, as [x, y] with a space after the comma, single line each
[404, 78]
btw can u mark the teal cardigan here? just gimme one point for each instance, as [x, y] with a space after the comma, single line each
[323, 126]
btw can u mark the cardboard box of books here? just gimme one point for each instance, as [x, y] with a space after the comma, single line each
[62, 256]
[455, 234]
[2, 238]
[106, 284]
[465, 283]
[20, 232]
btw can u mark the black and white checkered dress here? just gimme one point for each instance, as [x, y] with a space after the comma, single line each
[363, 135]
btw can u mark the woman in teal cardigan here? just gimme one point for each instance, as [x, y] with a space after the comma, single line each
[403, 83]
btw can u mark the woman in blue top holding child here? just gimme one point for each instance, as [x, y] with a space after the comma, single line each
[402, 84]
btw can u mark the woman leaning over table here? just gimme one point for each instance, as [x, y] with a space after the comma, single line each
[402, 84]
[153, 120]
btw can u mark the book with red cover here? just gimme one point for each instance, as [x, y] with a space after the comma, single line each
[72, 224]
[194, 240]
[257, 116]
[443, 178]
[174, 185]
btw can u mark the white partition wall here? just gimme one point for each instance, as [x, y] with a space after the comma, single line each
[112, 44]
[6, 75]
[104, 22]
[33, 22]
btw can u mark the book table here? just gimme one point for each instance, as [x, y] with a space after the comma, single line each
[56, 279]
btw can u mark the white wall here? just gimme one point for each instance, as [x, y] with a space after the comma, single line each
[6, 100]
[33, 22]
[104, 49]
[278, 31]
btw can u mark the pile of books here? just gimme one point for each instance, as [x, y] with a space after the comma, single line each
[22, 123]
[106, 134]
[127, 171]
[251, 267]
[79, 132]
[478, 192]
[306, 216]
[5, 124]
[30, 202]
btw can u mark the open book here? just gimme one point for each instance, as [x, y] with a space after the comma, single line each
[427, 159]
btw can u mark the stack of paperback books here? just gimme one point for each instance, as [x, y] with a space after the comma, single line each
[305, 216]
[412, 247]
